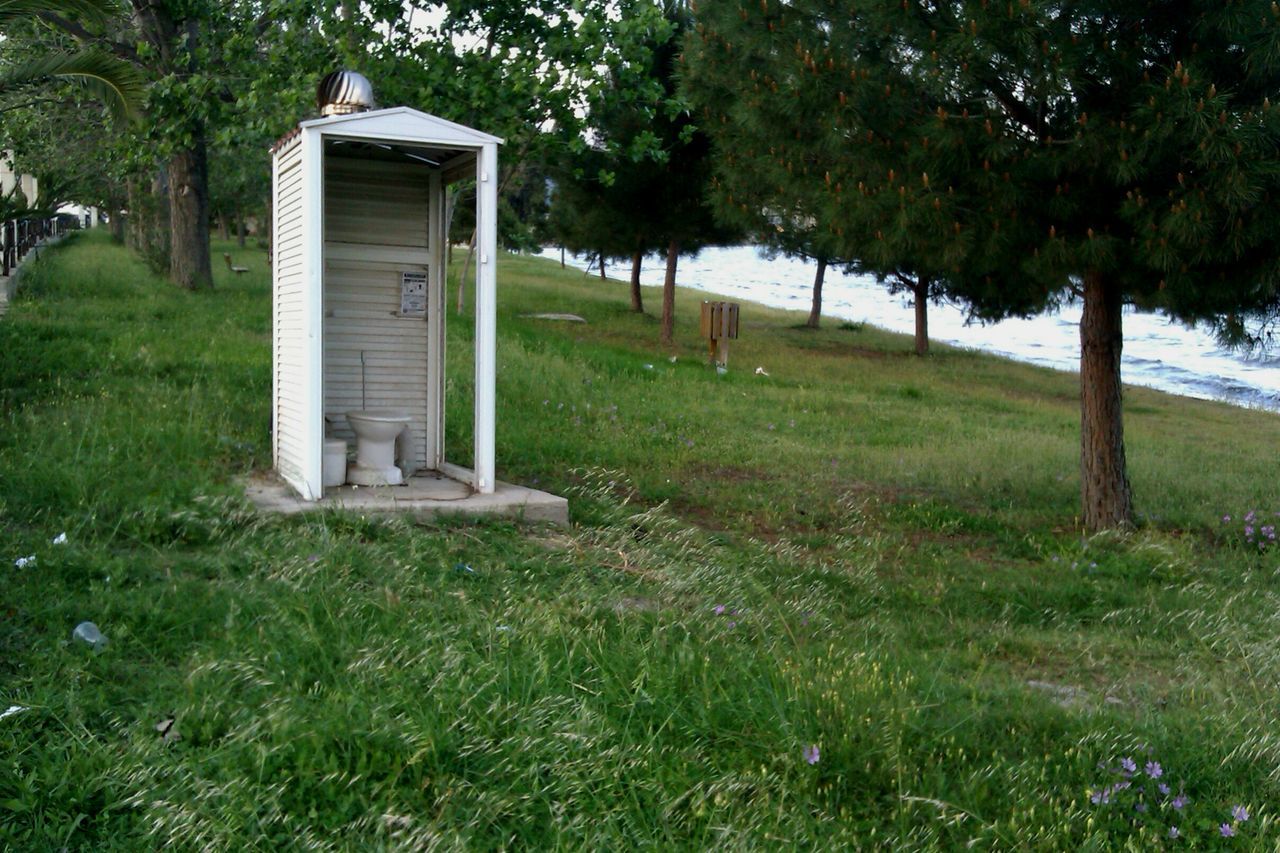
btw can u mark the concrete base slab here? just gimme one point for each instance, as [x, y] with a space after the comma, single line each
[426, 495]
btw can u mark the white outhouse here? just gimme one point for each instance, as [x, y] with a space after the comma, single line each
[358, 272]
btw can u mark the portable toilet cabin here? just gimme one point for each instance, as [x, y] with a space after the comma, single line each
[358, 281]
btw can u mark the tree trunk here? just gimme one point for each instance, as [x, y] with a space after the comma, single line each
[562, 257]
[116, 206]
[1105, 498]
[133, 229]
[174, 36]
[637, 301]
[241, 229]
[815, 312]
[462, 279]
[149, 220]
[224, 231]
[921, 293]
[602, 275]
[268, 230]
[189, 264]
[669, 295]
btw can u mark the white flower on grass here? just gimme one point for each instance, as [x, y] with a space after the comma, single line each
[60, 539]
[23, 562]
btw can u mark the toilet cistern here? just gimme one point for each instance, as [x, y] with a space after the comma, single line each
[376, 435]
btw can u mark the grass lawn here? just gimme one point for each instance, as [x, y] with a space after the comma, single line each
[845, 603]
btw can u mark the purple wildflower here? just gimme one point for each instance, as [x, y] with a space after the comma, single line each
[718, 609]
[811, 753]
[1179, 802]
[1163, 789]
[1140, 808]
[1227, 830]
[1173, 832]
[733, 625]
[1225, 519]
[1097, 797]
[1239, 813]
[1128, 765]
[1154, 770]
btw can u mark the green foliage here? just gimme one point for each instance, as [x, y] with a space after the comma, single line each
[115, 83]
[1010, 149]
[898, 549]
[637, 181]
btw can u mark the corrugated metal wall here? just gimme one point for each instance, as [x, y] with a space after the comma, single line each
[376, 227]
[289, 318]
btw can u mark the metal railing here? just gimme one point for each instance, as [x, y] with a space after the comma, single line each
[20, 236]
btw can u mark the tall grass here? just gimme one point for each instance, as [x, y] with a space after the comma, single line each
[862, 552]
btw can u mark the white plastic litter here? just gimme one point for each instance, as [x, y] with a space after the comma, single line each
[760, 371]
[13, 709]
[87, 632]
[23, 562]
[60, 539]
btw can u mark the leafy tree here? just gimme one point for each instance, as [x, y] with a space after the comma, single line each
[1118, 153]
[641, 184]
[593, 215]
[514, 69]
[71, 157]
[209, 64]
[113, 81]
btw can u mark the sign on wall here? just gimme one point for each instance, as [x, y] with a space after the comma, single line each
[413, 293]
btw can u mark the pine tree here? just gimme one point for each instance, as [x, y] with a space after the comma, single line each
[642, 185]
[1026, 153]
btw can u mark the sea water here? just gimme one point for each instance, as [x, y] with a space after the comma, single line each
[1158, 352]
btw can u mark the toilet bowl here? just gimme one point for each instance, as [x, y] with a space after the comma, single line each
[376, 434]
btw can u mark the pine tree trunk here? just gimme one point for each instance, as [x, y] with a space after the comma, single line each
[669, 295]
[224, 231]
[1106, 501]
[921, 294]
[602, 275]
[637, 301]
[241, 229]
[189, 263]
[815, 311]
[562, 257]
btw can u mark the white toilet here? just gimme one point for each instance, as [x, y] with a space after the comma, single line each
[377, 434]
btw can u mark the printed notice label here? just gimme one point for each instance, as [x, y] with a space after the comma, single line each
[413, 293]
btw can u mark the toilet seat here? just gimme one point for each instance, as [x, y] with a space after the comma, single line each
[377, 434]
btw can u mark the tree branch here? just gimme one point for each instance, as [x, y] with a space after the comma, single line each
[36, 102]
[74, 29]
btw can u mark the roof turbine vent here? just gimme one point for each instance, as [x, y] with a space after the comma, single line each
[344, 92]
